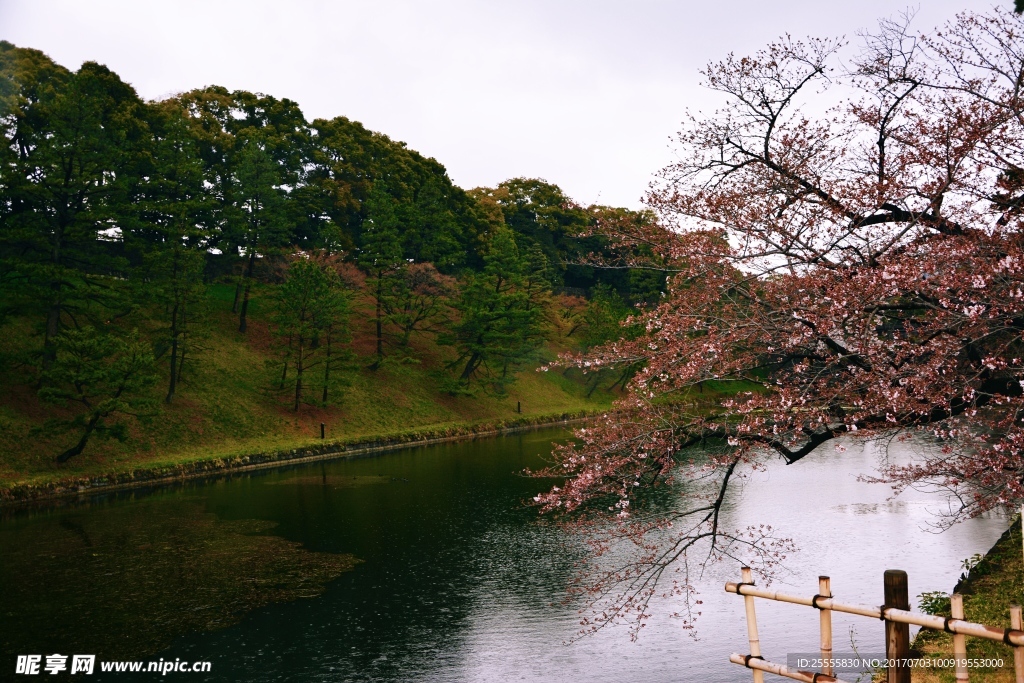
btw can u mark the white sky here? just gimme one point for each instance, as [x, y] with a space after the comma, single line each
[585, 94]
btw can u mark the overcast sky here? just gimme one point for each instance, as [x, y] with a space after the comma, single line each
[583, 94]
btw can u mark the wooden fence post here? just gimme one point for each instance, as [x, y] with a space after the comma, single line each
[1017, 624]
[956, 611]
[321, 430]
[825, 591]
[746, 576]
[897, 636]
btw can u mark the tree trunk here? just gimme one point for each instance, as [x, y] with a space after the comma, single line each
[53, 315]
[181, 365]
[238, 293]
[52, 330]
[80, 446]
[184, 340]
[173, 384]
[327, 365]
[380, 327]
[298, 376]
[245, 298]
[471, 366]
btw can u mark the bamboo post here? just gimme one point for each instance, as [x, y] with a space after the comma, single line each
[956, 604]
[321, 430]
[897, 636]
[1017, 624]
[825, 616]
[746, 576]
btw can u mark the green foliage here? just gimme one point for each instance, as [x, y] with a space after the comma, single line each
[102, 376]
[119, 214]
[603, 317]
[500, 326]
[976, 565]
[380, 255]
[436, 221]
[934, 602]
[71, 149]
[312, 325]
[545, 219]
[420, 301]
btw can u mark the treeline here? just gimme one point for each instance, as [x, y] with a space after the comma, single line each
[117, 215]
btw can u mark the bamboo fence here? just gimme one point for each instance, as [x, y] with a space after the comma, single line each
[894, 612]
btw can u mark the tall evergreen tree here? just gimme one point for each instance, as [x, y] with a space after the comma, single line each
[380, 255]
[260, 214]
[311, 318]
[433, 232]
[175, 211]
[499, 328]
[69, 166]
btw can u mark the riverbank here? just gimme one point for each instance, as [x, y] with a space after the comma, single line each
[993, 583]
[225, 415]
[162, 474]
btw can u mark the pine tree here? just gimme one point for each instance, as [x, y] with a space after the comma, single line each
[312, 314]
[380, 255]
[102, 374]
[261, 214]
[173, 209]
[70, 160]
[499, 327]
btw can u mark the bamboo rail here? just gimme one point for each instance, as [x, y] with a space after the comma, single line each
[897, 620]
[1013, 637]
[759, 665]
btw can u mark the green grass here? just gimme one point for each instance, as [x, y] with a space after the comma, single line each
[992, 586]
[223, 408]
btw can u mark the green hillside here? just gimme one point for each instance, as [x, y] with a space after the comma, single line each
[213, 274]
[223, 408]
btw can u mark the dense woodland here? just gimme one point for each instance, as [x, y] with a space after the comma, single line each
[118, 215]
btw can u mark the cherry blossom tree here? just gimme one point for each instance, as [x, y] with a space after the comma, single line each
[844, 248]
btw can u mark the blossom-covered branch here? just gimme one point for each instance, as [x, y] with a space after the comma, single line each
[846, 257]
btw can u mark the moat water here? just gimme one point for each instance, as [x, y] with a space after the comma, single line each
[425, 565]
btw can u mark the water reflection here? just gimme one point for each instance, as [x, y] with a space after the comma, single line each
[122, 580]
[459, 580]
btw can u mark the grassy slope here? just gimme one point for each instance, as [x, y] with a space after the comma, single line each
[222, 408]
[992, 586]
